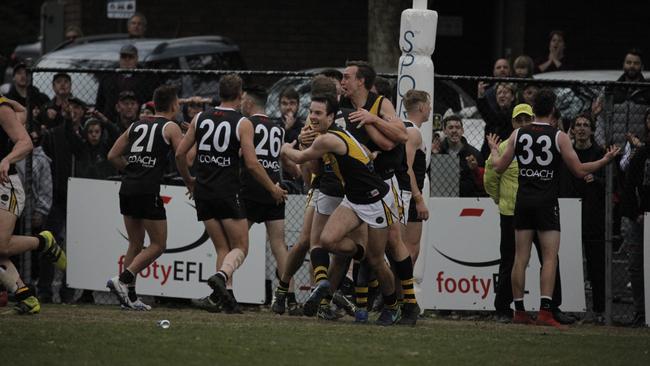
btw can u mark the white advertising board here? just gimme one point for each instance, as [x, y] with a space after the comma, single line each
[462, 257]
[97, 244]
[646, 265]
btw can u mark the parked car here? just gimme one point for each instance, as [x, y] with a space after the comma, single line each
[576, 99]
[189, 53]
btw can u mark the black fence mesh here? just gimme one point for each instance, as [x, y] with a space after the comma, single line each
[618, 112]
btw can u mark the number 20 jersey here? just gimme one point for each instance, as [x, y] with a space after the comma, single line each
[539, 160]
[217, 155]
[268, 140]
[146, 156]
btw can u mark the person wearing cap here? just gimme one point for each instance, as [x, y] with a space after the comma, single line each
[55, 110]
[21, 88]
[127, 108]
[502, 188]
[111, 85]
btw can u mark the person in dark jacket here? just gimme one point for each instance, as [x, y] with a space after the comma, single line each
[92, 161]
[497, 120]
[470, 159]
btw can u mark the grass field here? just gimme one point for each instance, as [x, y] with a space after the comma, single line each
[77, 335]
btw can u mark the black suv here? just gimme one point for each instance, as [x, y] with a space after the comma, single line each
[189, 53]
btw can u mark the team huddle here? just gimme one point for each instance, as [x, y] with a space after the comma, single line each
[365, 187]
[365, 169]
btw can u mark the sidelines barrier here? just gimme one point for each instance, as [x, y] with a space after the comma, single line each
[97, 242]
[461, 259]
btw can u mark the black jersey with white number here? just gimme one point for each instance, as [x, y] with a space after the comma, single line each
[217, 156]
[146, 156]
[420, 159]
[538, 157]
[268, 140]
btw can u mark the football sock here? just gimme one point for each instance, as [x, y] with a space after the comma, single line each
[127, 277]
[390, 301]
[320, 262]
[545, 303]
[404, 269]
[291, 298]
[519, 305]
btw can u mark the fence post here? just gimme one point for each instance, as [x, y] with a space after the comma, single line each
[609, 219]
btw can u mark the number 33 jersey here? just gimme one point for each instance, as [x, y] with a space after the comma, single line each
[269, 137]
[147, 156]
[217, 155]
[539, 159]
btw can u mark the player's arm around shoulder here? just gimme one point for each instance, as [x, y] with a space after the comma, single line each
[322, 144]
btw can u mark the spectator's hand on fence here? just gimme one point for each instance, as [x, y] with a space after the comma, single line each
[482, 85]
[472, 163]
[589, 178]
[362, 117]
[633, 140]
[611, 153]
[596, 107]
[279, 194]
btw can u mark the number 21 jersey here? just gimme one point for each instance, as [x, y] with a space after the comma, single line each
[217, 157]
[146, 156]
[538, 157]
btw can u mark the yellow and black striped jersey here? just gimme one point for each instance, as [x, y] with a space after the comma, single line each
[355, 170]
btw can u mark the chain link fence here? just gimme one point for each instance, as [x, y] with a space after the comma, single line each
[610, 242]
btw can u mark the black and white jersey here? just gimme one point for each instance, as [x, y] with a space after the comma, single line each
[146, 156]
[420, 159]
[217, 156]
[539, 160]
[387, 162]
[268, 140]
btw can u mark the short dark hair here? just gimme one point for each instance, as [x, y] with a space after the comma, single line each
[453, 117]
[329, 99]
[332, 73]
[92, 122]
[365, 71]
[383, 87]
[636, 52]
[322, 84]
[289, 93]
[230, 87]
[163, 98]
[257, 94]
[544, 103]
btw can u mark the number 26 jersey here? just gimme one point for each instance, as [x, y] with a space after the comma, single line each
[538, 157]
